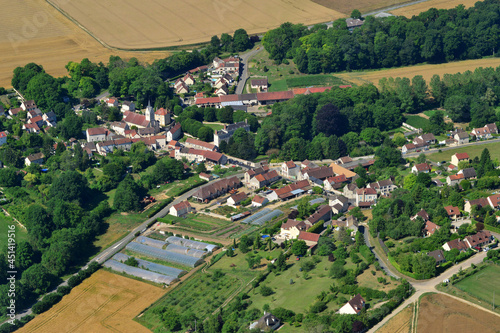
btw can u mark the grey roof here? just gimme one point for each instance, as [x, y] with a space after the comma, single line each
[469, 173]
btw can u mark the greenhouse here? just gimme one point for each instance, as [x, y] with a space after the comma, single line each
[150, 242]
[139, 272]
[192, 244]
[169, 256]
[267, 217]
[151, 266]
[256, 216]
[186, 250]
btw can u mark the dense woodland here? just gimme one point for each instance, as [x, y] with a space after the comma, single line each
[433, 36]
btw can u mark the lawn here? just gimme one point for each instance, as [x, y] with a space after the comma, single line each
[483, 284]
[472, 150]
[20, 233]
[215, 127]
[118, 226]
[287, 76]
[430, 113]
[417, 121]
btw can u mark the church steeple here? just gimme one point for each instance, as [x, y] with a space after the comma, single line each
[150, 113]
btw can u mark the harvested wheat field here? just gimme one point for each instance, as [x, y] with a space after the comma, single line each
[440, 313]
[427, 71]
[132, 24]
[400, 323]
[416, 9]
[105, 302]
[34, 31]
[365, 6]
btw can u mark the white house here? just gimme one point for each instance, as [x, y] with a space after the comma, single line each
[459, 157]
[96, 134]
[259, 201]
[112, 102]
[236, 199]
[128, 106]
[34, 159]
[181, 209]
[422, 167]
[292, 228]
[365, 195]
[174, 133]
[290, 169]
[353, 306]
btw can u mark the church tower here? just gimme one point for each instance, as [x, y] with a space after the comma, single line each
[150, 113]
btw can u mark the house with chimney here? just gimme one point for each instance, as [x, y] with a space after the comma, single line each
[453, 212]
[365, 195]
[353, 306]
[485, 132]
[254, 172]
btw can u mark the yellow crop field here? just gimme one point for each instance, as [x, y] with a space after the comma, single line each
[416, 9]
[34, 31]
[427, 71]
[105, 302]
[132, 24]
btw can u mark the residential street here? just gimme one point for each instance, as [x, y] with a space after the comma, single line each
[244, 74]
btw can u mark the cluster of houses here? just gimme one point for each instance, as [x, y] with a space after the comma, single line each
[222, 72]
[36, 119]
[456, 137]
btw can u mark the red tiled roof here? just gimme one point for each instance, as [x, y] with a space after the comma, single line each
[290, 165]
[289, 188]
[97, 131]
[135, 118]
[182, 205]
[431, 227]
[308, 236]
[452, 210]
[494, 199]
[239, 197]
[3, 134]
[208, 100]
[423, 167]
[204, 144]
[162, 112]
[212, 156]
[258, 199]
[456, 177]
[176, 128]
[229, 98]
[276, 95]
[367, 190]
[462, 156]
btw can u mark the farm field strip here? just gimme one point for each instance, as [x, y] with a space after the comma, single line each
[155, 23]
[482, 284]
[440, 313]
[417, 8]
[34, 31]
[427, 71]
[103, 302]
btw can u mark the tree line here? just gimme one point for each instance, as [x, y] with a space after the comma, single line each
[434, 36]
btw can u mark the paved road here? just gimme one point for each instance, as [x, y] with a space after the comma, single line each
[244, 74]
[436, 150]
[383, 265]
[422, 287]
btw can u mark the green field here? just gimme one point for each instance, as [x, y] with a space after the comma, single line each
[118, 226]
[417, 121]
[472, 150]
[20, 233]
[482, 284]
[200, 222]
[430, 113]
[287, 76]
